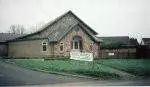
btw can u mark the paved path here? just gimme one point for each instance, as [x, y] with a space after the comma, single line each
[11, 75]
[123, 74]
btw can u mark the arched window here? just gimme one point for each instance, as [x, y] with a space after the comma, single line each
[77, 43]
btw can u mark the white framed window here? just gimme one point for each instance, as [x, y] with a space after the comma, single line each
[44, 46]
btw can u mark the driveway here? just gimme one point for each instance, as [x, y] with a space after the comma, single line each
[11, 75]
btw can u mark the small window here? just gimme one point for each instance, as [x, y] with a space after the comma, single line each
[61, 47]
[44, 44]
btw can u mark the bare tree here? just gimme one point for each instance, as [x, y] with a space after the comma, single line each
[36, 27]
[17, 29]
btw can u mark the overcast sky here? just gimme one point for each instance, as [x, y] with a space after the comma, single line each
[107, 17]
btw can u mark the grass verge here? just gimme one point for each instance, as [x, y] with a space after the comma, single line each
[138, 67]
[91, 69]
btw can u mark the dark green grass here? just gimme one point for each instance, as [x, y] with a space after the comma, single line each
[138, 67]
[68, 66]
[97, 68]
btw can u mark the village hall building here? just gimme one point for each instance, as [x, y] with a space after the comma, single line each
[56, 39]
[61, 37]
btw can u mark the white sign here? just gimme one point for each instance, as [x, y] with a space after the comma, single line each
[81, 56]
[111, 54]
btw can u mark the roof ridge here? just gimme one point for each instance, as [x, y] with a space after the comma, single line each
[47, 24]
[55, 21]
[83, 23]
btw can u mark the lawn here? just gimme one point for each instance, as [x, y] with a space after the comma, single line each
[138, 67]
[68, 66]
[102, 68]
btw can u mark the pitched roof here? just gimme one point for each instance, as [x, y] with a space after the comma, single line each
[115, 39]
[59, 27]
[8, 36]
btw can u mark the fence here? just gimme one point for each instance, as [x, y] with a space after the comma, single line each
[118, 53]
[143, 51]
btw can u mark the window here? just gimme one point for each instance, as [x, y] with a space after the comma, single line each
[76, 45]
[61, 46]
[44, 44]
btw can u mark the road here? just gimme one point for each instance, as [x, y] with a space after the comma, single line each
[11, 75]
